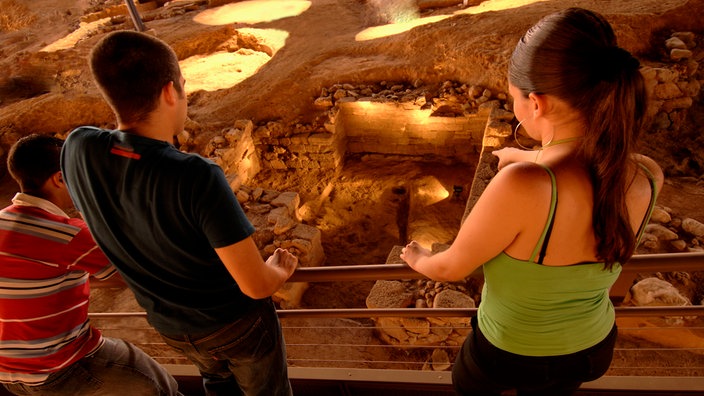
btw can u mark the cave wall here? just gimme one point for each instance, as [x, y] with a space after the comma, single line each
[453, 122]
[392, 128]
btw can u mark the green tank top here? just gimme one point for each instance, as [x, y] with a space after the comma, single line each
[535, 310]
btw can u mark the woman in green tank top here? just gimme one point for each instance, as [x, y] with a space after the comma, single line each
[554, 225]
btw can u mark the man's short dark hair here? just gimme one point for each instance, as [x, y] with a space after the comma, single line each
[131, 68]
[33, 159]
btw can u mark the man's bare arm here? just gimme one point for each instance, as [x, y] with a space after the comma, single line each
[255, 277]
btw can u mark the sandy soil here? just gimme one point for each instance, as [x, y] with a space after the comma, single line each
[362, 216]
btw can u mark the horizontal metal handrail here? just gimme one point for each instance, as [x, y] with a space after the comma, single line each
[663, 262]
[675, 262]
[638, 263]
[630, 384]
[695, 310]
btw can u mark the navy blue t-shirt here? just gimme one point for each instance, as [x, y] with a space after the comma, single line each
[158, 214]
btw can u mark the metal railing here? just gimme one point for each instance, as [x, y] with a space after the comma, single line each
[663, 262]
[134, 15]
[306, 329]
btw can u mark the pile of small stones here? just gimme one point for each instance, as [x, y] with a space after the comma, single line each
[452, 97]
[669, 233]
[427, 289]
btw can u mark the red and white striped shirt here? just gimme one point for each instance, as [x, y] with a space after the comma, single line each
[45, 261]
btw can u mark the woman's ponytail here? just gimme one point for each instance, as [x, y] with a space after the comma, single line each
[573, 55]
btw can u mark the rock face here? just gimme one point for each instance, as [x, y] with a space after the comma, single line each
[275, 216]
[418, 331]
[668, 233]
[389, 294]
[656, 292]
[422, 331]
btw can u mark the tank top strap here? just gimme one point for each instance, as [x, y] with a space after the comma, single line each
[541, 246]
[651, 205]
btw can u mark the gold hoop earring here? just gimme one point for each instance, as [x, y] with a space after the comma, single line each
[549, 143]
[515, 138]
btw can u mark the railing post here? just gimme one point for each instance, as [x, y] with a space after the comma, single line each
[134, 14]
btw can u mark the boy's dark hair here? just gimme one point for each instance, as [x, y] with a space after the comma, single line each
[131, 68]
[33, 159]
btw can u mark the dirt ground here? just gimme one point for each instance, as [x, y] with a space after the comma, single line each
[359, 218]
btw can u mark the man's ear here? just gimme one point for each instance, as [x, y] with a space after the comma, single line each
[169, 93]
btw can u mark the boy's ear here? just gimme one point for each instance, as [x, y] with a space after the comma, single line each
[58, 177]
[55, 180]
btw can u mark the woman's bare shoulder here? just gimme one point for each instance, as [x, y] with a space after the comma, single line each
[652, 167]
[524, 180]
[523, 173]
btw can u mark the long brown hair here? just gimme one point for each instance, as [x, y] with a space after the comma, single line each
[573, 55]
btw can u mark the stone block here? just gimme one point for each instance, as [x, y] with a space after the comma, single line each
[675, 42]
[389, 294]
[415, 325]
[684, 102]
[299, 139]
[494, 142]
[278, 164]
[321, 139]
[668, 90]
[288, 199]
[661, 232]
[663, 75]
[677, 54]
[693, 227]
[690, 88]
[391, 327]
[496, 128]
[660, 215]
[284, 224]
[303, 231]
[290, 295]
[656, 292]
[453, 299]
[245, 125]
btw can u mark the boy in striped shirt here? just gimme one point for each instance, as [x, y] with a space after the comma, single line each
[47, 344]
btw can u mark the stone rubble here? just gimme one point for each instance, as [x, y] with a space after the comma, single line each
[666, 233]
[441, 331]
[275, 216]
[351, 115]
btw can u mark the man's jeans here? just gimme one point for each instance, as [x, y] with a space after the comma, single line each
[117, 368]
[247, 357]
